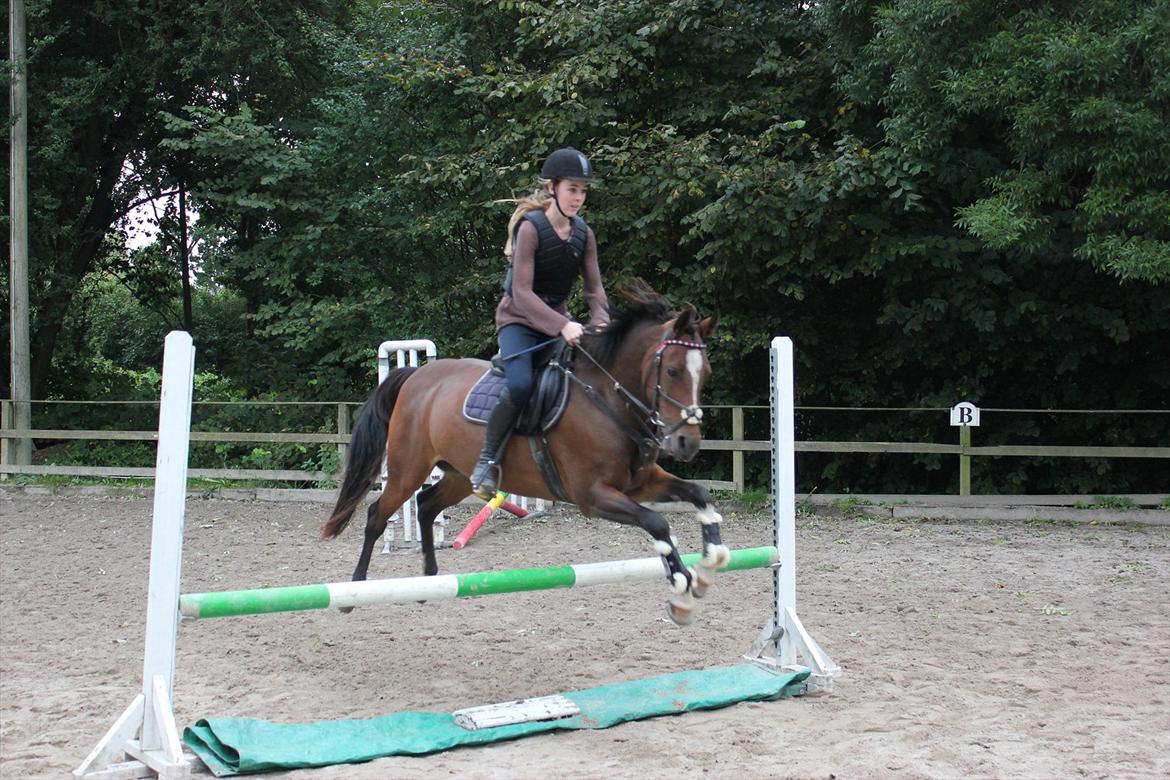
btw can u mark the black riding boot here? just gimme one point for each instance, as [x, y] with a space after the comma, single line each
[485, 478]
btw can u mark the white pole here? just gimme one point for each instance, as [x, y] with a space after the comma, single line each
[784, 633]
[166, 546]
[784, 487]
[146, 731]
[20, 449]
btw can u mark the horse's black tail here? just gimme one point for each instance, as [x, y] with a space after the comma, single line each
[367, 445]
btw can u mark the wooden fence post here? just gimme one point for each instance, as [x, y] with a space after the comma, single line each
[5, 423]
[737, 455]
[342, 429]
[965, 461]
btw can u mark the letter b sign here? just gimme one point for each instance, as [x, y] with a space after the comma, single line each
[965, 414]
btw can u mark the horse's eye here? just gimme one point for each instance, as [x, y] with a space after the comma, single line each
[673, 372]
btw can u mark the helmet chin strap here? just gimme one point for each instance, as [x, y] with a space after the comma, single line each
[556, 199]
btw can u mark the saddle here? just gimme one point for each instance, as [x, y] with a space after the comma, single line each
[546, 405]
[540, 415]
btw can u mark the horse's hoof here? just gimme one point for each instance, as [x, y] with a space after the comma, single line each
[345, 610]
[724, 555]
[681, 609]
[715, 556]
[702, 580]
[680, 616]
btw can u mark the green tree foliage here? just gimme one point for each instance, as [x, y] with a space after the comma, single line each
[938, 201]
[798, 169]
[1074, 98]
[979, 103]
[673, 100]
[330, 251]
[100, 75]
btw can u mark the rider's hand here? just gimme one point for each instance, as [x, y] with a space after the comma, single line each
[572, 332]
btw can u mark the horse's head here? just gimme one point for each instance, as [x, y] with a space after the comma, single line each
[663, 357]
[674, 375]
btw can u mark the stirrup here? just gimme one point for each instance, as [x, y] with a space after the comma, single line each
[489, 480]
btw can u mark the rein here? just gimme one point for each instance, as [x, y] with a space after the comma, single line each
[653, 431]
[530, 349]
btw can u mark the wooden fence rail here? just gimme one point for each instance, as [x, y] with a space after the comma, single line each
[737, 446]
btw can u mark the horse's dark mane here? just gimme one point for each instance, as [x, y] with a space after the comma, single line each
[636, 304]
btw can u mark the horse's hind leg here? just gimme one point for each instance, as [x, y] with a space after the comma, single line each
[448, 491]
[398, 489]
[664, 486]
[375, 527]
[400, 485]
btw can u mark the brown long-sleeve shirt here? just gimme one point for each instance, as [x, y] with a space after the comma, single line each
[525, 307]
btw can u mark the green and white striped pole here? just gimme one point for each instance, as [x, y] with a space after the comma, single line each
[447, 586]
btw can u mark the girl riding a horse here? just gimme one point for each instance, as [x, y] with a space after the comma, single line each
[635, 390]
[549, 246]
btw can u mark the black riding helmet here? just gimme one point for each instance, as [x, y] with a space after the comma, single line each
[567, 163]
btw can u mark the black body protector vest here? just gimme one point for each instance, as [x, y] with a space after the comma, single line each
[558, 262]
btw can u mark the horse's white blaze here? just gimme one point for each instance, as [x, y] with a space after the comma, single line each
[695, 366]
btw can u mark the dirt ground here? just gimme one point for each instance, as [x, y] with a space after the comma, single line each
[969, 649]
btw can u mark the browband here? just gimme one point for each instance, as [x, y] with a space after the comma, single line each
[680, 343]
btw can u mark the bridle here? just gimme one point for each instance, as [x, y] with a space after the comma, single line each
[691, 415]
[653, 430]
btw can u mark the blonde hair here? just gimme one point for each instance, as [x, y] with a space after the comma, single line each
[537, 201]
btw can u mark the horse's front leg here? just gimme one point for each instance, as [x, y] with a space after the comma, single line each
[661, 485]
[612, 504]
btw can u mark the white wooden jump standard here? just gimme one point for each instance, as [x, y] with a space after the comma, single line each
[784, 639]
[406, 354]
[146, 731]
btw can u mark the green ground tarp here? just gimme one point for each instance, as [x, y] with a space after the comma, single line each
[231, 746]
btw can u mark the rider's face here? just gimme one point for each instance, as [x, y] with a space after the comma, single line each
[571, 195]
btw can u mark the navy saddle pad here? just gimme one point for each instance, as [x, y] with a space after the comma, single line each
[543, 410]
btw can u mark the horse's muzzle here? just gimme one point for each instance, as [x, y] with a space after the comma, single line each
[681, 446]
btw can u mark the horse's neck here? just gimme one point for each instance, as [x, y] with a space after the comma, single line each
[630, 359]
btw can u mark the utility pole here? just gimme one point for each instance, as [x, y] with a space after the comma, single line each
[185, 259]
[21, 450]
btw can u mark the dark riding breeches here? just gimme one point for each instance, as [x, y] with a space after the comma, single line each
[519, 371]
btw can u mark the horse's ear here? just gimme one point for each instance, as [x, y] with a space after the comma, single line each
[684, 323]
[707, 325]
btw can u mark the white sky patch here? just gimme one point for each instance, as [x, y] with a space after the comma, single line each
[142, 222]
[140, 225]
